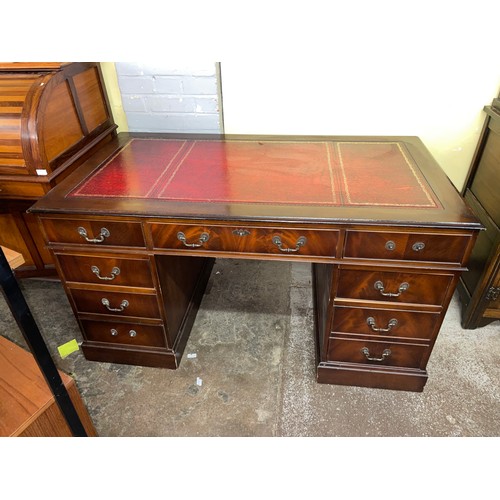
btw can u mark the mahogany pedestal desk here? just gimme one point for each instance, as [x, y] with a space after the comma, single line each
[135, 229]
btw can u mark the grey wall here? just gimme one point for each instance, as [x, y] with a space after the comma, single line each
[162, 98]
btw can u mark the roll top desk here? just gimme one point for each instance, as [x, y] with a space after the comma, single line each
[52, 117]
[135, 229]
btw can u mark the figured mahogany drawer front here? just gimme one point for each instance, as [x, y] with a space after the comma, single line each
[448, 248]
[384, 322]
[392, 286]
[116, 303]
[106, 270]
[262, 240]
[96, 233]
[376, 353]
[124, 333]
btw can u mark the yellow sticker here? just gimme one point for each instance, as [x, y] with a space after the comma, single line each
[67, 348]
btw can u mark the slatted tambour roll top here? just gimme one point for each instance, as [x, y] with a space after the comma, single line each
[50, 115]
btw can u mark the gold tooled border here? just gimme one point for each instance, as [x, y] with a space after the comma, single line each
[432, 202]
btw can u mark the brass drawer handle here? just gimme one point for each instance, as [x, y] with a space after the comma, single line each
[204, 237]
[366, 352]
[114, 273]
[114, 332]
[300, 243]
[418, 246]
[103, 234]
[123, 305]
[371, 323]
[379, 285]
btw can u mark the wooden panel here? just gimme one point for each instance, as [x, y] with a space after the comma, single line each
[13, 93]
[27, 406]
[114, 271]
[61, 127]
[31, 222]
[90, 96]
[322, 294]
[181, 278]
[120, 233]
[20, 190]
[405, 246]
[31, 66]
[413, 287]
[11, 237]
[132, 334]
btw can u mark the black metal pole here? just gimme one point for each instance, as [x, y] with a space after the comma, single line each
[22, 314]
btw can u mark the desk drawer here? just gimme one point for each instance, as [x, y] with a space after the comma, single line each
[384, 322]
[124, 333]
[260, 240]
[448, 248]
[106, 270]
[376, 353]
[94, 232]
[115, 303]
[391, 286]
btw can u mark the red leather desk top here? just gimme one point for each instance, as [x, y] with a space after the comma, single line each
[317, 173]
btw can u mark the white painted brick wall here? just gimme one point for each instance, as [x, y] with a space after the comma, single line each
[162, 98]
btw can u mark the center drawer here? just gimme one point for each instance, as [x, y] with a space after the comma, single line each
[240, 239]
[115, 303]
[106, 270]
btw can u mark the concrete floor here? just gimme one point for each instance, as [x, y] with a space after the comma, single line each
[254, 372]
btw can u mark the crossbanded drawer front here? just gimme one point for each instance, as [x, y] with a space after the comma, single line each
[376, 353]
[246, 239]
[106, 270]
[94, 233]
[384, 322]
[116, 303]
[446, 248]
[390, 286]
[124, 333]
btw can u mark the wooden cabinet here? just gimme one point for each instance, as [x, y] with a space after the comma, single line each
[53, 116]
[27, 405]
[134, 245]
[479, 287]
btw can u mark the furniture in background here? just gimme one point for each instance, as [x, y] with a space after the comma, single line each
[52, 117]
[27, 405]
[35, 398]
[135, 229]
[479, 288]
